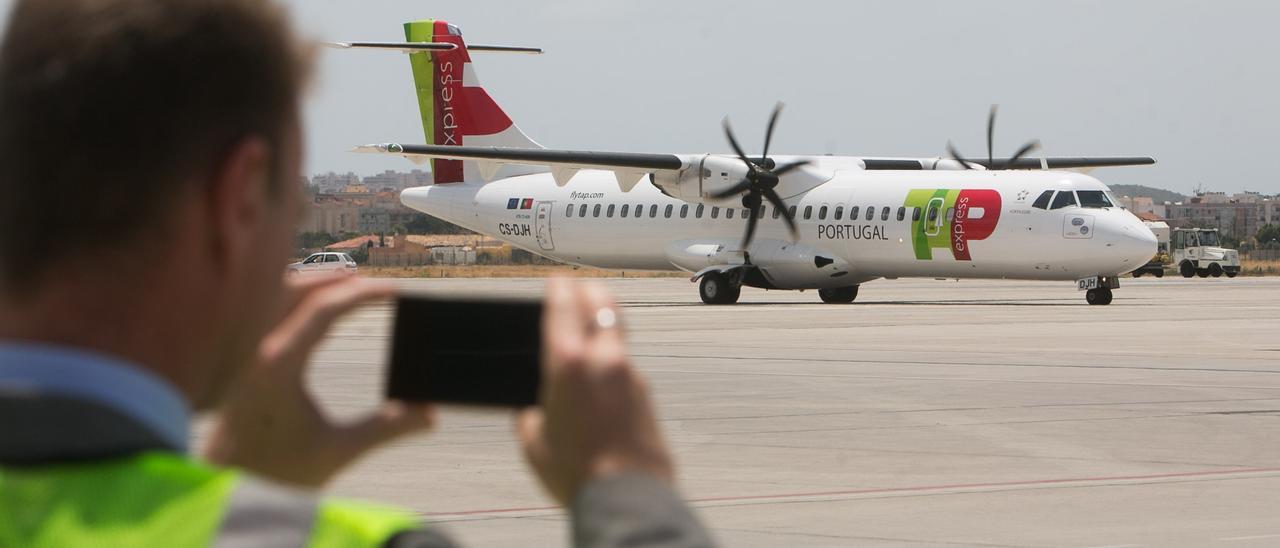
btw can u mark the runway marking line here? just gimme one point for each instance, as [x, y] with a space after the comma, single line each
[714, 501]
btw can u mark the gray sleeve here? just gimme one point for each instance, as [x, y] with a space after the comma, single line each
[634, 510]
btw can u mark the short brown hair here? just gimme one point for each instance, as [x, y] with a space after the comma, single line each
[106, 106]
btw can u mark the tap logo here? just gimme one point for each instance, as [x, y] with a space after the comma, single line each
[952, 218]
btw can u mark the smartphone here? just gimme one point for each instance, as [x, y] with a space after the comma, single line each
[466, 350]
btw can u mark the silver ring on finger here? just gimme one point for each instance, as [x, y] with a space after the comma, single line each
[606, 318]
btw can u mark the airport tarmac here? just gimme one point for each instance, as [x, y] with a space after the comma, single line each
[929, 413]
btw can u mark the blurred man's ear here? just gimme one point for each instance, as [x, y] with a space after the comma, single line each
[238, 197]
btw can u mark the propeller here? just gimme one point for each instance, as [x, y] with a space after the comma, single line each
[991, 162]
[761, 179]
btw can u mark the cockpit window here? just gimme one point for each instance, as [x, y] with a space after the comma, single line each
[1043, 201]
[1095, 199]
[1065, 198]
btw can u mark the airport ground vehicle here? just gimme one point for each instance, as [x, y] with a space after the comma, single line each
[323, 262]
[1199, 252]
[1155, 267]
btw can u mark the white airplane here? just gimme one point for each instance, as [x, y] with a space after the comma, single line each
[829, 223]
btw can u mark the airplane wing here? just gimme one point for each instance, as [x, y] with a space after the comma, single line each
[1084, 163]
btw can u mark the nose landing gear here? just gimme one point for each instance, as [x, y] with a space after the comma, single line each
[1098, 289]
[1099, 295]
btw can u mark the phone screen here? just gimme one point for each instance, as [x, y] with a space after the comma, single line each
[469, 351]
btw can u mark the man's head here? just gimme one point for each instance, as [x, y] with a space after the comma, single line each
[151, 149]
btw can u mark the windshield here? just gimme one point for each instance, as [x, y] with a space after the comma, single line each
[1209, 239]
[1095, 199]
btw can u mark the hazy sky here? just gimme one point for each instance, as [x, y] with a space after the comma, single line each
[1194, 84]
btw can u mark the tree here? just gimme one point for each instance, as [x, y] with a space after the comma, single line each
[1269, 236]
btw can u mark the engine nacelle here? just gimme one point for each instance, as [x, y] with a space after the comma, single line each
[709, 175]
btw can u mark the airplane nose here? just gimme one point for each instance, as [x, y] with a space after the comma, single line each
[1135, 244]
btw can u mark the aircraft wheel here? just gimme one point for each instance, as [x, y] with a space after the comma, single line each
[716, 288]
[838, 295]
[1137, 273]
[1215, 270]
[1187, 269]
[1099, 296]
[1160, 273]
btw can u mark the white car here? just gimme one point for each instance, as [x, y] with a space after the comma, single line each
[323, 263]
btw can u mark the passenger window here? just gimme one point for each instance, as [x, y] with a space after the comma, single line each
[639, 210]
[915, 214]
[746, 213]
[728, 212]
[853, 213]
[715, 212]
[1065, 198]
[609, 212]
[839, 214]
[626, 208]
[763, 208]
[582, 211]
[666, 213]
[884, 214]
[653, 211]
[1043, 201]
[902, 213]
[568, 211]
[595, 212]
[808, 212]
[822, 213]
[777, 213]
[698, 212]
[951, 214]
[933, 214]
[791, 212]
[871, 213]
[684, 211]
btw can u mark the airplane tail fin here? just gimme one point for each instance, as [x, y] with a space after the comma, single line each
[456, 110]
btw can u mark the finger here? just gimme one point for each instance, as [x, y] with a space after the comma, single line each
[394, 420]
[297, 288]
[607, 344]
[563, 327]
[303, 328]
[529, 425]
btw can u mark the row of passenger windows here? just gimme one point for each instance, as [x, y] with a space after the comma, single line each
[823, 212]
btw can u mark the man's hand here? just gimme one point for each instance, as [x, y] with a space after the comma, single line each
[595, 417]
[271, 424]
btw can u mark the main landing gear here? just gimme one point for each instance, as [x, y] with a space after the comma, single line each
[717, 288]
[838, 295]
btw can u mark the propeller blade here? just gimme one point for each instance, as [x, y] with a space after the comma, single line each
[751, 222]
[991, 133]
[768, 133]
[1026, 149]
[728, 132]
[777, 202]
[955, 155]
[742, 186]
[786, 168]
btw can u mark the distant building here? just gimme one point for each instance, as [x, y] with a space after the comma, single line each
[1143, 204]
[1239, 216]
[393, 181]
[331, 182]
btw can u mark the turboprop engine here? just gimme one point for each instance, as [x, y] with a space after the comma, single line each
[698, 183]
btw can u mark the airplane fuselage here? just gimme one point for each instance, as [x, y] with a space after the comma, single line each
[857, 226]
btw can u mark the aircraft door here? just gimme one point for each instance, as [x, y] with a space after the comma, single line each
[542, 226]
